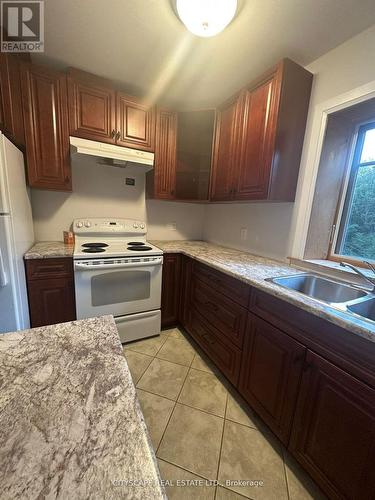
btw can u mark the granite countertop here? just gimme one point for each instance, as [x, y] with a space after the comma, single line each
[49, 250]
[254, 270]
[70, 421]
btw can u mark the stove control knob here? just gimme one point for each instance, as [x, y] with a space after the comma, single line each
[142, 226]
[79, 224]
[135, 225]
[87, 224]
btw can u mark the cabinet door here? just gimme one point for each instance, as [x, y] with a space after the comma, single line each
[135, 123]
[194, 151]
[44, 98]
[334, 430]
[170, 295]
[92, 107]
[270, 374]
[11, 115]
[225, 355]
[257, 141]
[225, 151]
[51, 301]
[163, 176]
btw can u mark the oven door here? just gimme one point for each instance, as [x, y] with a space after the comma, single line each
[117, 286]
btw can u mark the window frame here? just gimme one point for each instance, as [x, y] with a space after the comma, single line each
[345, 201]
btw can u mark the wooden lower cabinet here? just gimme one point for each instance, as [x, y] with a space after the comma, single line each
[321, 408]
[334, 430]
[50, 284]
[270, 374]
[225, 355]
[170, 295]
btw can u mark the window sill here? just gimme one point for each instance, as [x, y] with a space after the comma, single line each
[331, 269]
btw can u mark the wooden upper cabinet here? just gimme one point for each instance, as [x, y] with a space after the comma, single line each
[270, 374]
[92, 107]
[334, 430]
[135, 123]
[44, 97]
[11, 114]
[161, 181]
[225, 151]
[258, 109]
[98, 113]
[262, 161]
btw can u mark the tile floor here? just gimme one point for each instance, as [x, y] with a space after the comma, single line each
[201, 430]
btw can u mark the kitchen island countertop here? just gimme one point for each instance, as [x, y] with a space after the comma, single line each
[70, 421]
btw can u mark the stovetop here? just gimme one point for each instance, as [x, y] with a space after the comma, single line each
[102, 238]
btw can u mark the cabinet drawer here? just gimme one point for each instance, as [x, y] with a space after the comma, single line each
[222, 352]
[49, 268]
[224, 314]
[231, 287]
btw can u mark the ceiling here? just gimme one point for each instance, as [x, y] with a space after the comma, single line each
[145, 49]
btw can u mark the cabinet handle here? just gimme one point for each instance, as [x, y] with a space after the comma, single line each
[113, 133]
[212, 305]
[307, 366]
[207, 335]
[118, 136]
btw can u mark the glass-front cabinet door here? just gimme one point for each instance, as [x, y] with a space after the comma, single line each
[194, 151]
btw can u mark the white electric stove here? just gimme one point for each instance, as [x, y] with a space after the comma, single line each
[118, 272]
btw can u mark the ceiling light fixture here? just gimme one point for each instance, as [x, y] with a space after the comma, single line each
[206, 17]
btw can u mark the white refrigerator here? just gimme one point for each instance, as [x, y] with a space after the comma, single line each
[16, 237]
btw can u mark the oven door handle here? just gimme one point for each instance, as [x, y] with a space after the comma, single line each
[95, 267]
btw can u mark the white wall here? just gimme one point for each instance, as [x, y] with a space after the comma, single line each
[100, 191]
[341, 70]
[272, 226]
[267, 227]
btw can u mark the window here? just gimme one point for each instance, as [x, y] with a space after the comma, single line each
[356, 223]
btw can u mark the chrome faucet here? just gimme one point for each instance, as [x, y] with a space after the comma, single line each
[360, 273]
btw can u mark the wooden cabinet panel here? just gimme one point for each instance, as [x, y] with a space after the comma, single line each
[185, 302]
[44, 96]
[334, 430]
[51, 301]
[11, 114]
[49, 268]
[222, 351]
[225, 155]
[231, 287]
[256, 142]
[171, 285]
[270, 374]
[135, 123]
[92, 107]
[50, 285]
[220, 311]
[161, 181]
[259, 137]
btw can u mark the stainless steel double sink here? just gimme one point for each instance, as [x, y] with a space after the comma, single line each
[350, 298]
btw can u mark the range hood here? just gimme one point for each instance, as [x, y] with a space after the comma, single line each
[113, 156]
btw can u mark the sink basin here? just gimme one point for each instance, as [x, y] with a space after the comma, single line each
[319, 288]
[365, 309]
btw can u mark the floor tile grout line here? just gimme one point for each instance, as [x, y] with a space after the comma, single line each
[170, 416]
[286, 475]
[221, 441]
[184, 468]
